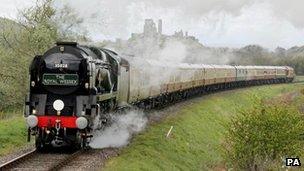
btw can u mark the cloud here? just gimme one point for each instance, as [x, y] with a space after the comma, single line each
[288, 10]
[231, 23]
[255, 24]
[9, 8]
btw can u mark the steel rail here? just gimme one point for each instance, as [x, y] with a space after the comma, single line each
[16, 160]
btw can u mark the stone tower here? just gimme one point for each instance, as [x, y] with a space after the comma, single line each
[160, 26]
[149, 28]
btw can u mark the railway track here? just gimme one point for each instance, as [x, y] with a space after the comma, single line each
[77, 160]
[17, 160]
[34, 160]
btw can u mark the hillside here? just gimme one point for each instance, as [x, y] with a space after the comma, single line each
[7, 24]
[196, 140]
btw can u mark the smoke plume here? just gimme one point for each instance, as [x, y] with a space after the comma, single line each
[120, 131]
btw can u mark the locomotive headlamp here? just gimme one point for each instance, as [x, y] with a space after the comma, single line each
[32, 121]
[34, 112]
[33, 83]
[58, 105]
[86, 85]
[81, 122]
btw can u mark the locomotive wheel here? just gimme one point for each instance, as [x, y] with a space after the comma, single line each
[38, 144]
[84, 143]
[81, 142]
[41, 146]
[78, 141]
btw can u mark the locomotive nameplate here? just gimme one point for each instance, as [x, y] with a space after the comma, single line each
[60, 79]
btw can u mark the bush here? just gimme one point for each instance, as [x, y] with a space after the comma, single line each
[264, 135]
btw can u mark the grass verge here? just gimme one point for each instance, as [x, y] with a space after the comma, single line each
[13, 134]
[197, 136]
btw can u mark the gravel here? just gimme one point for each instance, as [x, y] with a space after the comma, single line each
[16, 153]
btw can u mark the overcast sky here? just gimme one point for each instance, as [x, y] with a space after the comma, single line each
[232, 23]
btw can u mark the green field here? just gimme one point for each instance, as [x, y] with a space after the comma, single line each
[197, 137]
[12, 133]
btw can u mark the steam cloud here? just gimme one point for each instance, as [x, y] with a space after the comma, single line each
[120, 131]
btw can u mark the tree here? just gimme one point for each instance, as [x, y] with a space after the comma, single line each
[36, 29]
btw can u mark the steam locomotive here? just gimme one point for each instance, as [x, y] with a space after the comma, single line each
[72, 86]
